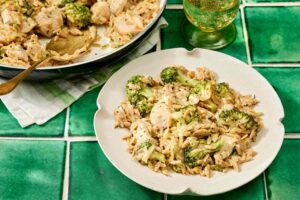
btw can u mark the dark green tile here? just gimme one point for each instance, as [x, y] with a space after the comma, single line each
[172, 37]
[273, 34]
[31, 169]
[178, 1]
[286, 83]
[175, 1]
[11, 127]
[82, 114]
[283, 175]
[94, 177]
[250, 191]
[271, 0]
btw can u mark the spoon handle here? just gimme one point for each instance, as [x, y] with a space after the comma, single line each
[12, 83]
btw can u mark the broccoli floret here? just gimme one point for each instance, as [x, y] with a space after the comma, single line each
[192, 154]
[186, 115]
[202, 90]
[144, 107]
[146, 144]
[27, 9]
[209, 105]
[78, 15]
[217, 168]
[138, 94]
[62, 3]
[137, 90]
[145, 148]
[235, 117]
[174, 74]
[223, 89]
[188, 158]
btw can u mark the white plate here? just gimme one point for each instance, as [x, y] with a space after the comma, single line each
[239, 75]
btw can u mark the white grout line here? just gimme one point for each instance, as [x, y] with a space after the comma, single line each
[65, 194]
[66, 130]
[276, 65]
[245, 35]
[82, 139]
[265, 186]
[165, 197]
[174, 6]
[70, 138]
[272, 4]
[32, 138]
[292, 136]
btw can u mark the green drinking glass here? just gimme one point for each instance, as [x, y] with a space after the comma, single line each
[209, 22]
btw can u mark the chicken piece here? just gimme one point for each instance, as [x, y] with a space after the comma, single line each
[128, 25]
[54, 2]
[8, 34]
[181, 96]
[227, 147]
[142, 133]
[11, 18]
[144, 141]
[34, 49]
[49, 20]
[100, 13]
[16, 52]
[160, 115]
[27, 24]
[117, 6]
[14, 62]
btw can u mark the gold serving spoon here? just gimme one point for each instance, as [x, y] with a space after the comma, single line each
[64, 48]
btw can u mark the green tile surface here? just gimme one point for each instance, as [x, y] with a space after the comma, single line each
[11, 127]
[94, 177]
[175, 1]
[286, 83]
[172, 36]
[250, 191]
[283, 175]
[82, 114]
[273, 34]
[178, 1]
[31, 169]
[271, 0]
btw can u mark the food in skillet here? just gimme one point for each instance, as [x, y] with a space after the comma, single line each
[24, 24]
[188, 122]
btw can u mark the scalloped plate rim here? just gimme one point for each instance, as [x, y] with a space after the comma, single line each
[191, 189]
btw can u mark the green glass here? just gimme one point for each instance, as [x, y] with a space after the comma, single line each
[209, 23]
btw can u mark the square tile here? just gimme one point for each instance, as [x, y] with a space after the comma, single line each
[174, 2]
[172, 36]
[273, 34]
[282, 175]
[271, 0]
[250, 191]
[10, 126]
[94, 177]
[82, 114]
[31, 169]
[286, 83]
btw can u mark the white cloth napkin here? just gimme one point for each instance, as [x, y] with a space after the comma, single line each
[36, 103]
